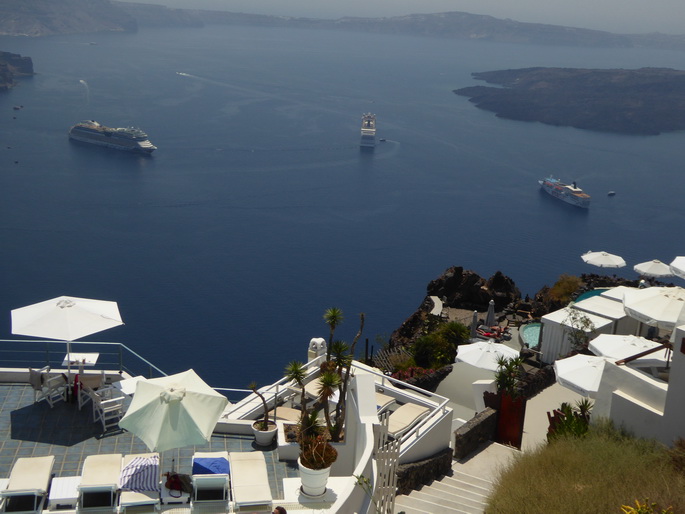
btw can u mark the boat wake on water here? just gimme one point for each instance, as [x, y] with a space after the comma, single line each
[85, 84]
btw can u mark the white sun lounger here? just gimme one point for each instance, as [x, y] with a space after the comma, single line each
[383, 401]
[139, 481]
[99, 481]
[286, 414]
[406, 416]
[210, 477]
[250, 481]
[28, 484]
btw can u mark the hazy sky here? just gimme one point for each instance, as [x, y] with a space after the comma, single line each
[628, 16]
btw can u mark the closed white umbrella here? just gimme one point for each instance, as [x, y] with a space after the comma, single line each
[603, 259]
[654, 268]
[65, 318]
[484, 354]
[474, 324]
[660, 307]
[174, 411]
[490, 318]
[616, 347]
[580, 373]
[678, 266]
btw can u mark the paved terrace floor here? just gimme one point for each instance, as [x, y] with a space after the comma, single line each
[29, 429]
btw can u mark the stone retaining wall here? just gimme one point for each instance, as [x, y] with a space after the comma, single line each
[411, 476]
[472, 434]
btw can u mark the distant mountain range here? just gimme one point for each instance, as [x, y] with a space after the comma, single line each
[51, 17]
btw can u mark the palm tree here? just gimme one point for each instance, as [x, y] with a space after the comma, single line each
[340, 407]
[329, 384]
[333, 317]
[297, 372]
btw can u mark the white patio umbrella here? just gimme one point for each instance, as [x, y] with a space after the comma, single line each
[678, 266]
[490, 318]
[654, 268]
[484, 354]
[580, 373]
[65, 318]
[659, 307]
[603, 259]
[616, 347]
[174, 411]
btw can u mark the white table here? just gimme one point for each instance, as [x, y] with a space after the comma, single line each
[80, 359]
[63, 492]
[128, 385]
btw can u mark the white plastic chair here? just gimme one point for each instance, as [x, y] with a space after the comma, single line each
[45, 387]
[108, 406]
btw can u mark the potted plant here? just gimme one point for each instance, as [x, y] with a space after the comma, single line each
[264, 429]
[317, 455]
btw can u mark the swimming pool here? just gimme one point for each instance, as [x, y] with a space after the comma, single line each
[591, 293]
[530, 334]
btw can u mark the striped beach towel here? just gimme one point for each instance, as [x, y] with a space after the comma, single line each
[141, 474]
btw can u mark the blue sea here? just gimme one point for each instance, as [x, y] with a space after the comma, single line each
[258, 211]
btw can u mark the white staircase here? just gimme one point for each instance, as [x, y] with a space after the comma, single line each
[466, 490]
[460, 493]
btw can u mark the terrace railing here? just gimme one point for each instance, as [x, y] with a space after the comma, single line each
[25, 353]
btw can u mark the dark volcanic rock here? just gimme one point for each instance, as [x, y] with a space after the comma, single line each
[467, 290]
[459, 289]
[645, 101]
[13, 65]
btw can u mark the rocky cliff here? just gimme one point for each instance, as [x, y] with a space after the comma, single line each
[459, 289]
[13, 65]
[47, 17]
[51, 17]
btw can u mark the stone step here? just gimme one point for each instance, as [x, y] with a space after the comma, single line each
[453, 499]
[462, 480]
[411, 505]
[467, 491]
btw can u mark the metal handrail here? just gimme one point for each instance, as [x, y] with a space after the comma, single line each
[23, 353]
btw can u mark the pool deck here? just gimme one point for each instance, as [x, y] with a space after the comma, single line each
[29, 429]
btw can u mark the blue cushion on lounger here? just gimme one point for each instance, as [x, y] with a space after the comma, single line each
[210, 466]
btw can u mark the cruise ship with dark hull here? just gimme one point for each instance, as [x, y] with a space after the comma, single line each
[130, 139]
[571, 194]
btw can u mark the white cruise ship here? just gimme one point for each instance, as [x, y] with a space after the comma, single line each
[129, 138]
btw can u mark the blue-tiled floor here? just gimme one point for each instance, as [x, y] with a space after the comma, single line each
[29, 429]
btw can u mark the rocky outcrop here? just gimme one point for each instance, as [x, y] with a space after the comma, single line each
[462, 289]
[11, 66]
[645, 101]
[459, 289]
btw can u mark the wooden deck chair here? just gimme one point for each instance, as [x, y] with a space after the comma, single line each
[139, 481]
[99, 481]
[28, 484]
[404, 418]
[250, 482]
[52, 389]
[210, 477]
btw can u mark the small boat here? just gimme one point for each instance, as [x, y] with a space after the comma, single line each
[566, 193]
[611, 193]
